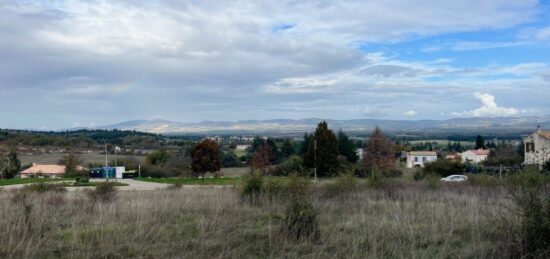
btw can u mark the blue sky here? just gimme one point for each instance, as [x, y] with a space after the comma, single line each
[86, 63]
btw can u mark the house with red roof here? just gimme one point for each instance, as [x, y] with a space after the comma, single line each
[45, 171]
[475, 155]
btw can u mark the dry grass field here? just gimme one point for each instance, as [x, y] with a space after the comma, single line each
[405, 221]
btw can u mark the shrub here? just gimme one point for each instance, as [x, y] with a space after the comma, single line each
[343, 184]
[252, 185]
[82, 179]
[432, 181]
[298, 187]
[104, 192]
[42, 188]
[532, 214]
[300, 221]
[419, 175]
[443, 167]
[293, 165]
[376, 179]
[359, 170]
[394, 172]
[275, 189]
[484, 180]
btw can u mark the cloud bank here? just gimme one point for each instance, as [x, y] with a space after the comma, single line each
[65, 62]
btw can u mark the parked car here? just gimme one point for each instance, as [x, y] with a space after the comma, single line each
[455, 178]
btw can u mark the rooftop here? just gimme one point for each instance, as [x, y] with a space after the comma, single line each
[422, 153]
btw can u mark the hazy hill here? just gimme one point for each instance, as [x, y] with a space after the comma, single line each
[515, 124]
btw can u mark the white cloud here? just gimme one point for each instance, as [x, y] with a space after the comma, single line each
[80, 60]
[410, 113]
[489, 108]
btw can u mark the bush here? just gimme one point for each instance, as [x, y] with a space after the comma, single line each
[42, 188]
[300, 221]
[252, 185]
[532, 214]
[82, 179]
[298, 187]
[104, 192]
[443, 168]
[483, 180]
[152, 171]
[432, 181]
[419, 175]
[342, 185]
[394, 172]
[293, 165]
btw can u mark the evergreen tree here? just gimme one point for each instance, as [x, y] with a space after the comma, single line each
[11, 166]
[346, 147]
[480, 142]
[305, 144]
[322, 151]
[287, 149]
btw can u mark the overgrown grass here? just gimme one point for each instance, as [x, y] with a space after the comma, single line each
[453, 221]
[4, 182]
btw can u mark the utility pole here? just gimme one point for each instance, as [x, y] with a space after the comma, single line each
[106, 163]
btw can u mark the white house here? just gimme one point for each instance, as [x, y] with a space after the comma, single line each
[359, 152]
[475, 155]
[418, 158]
[537, 148]
[242, 147]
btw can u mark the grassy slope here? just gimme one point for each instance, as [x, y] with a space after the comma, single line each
[413, 221]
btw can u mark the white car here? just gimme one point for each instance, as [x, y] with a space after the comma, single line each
[455, 178]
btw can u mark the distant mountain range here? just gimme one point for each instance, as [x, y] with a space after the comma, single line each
[283, 126]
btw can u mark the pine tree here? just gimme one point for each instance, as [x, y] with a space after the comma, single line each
[11, 166]
[322, 152]
[287, 149]
[480, 142]
[346, 147]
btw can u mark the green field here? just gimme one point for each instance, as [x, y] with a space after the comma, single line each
[194, 181]
[30, 180]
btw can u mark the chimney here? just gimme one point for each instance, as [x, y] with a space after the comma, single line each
[539, 129]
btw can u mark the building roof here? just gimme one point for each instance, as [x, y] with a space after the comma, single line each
[47, 169]
[545, 134]
[480, 152]
[422, 153]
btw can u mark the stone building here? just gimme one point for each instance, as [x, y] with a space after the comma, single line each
[537, 148]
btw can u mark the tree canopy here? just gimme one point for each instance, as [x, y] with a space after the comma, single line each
[379, 153]
[322, 152]
[205, 157]
[346, 147]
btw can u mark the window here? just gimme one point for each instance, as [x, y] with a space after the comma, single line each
[423, 159]
[415, 159]
[529, 147]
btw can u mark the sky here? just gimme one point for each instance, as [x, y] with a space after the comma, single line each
[67, 64]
